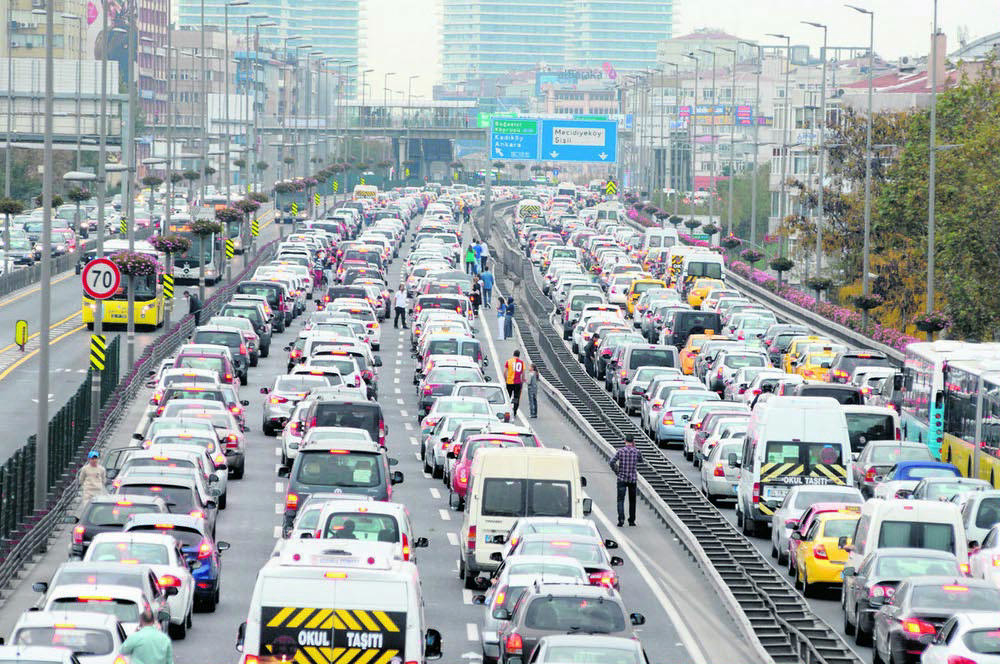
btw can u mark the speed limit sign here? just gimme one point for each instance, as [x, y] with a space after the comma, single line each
[101, 278]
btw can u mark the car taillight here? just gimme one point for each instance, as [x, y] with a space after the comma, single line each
[381, 433]
[668, 418]
[819, 552]
[719, 471]
[406, 547]
[156, 397]
[169, 581]
[917, 626]
[959, 659]
[879, 590]
[756, 493]
[463, 477]
[367, 375]
[295, 354]
[605, 578]
[236, 410]
[292, 502]
[204, 549]
[428, 390]
[470, 541]
[965, 568]
[229, 378]
[899, 434]
[232, 440]
[78, 535]
[243, 349]
[277, 399]
[870, 474]
[514, 644]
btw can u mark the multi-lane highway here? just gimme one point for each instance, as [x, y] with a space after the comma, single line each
[684, 619]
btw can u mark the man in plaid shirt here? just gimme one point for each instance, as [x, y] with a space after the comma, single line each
[625, 463]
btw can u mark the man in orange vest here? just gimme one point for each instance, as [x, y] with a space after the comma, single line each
[514, 375]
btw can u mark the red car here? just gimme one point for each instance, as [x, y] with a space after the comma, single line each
[461, 472]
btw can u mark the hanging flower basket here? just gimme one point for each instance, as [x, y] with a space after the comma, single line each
[258, 197]
[730, 242]
[675, 220]
[818, 283]
[310, 182]
[228, 215]
[205, 227]
[935, 321]
[247, 205]
[692, 224]
[751, 255]
[781, 264]
[709, 229]
[284, 188]
[135, 264]
[170, 244]
[868, 302]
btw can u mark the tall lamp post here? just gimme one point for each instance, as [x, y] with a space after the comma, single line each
[79, 64]
[711, 165]
[782, 202]
[385, 94]
[868, 157]
[693, 125]
[932, 174]
[822, 150]
[677, 103]
[361, 110]
[732, 142]
[80, 178]
[758, 69]
[282, 168]
[225, 95]
[296, 134]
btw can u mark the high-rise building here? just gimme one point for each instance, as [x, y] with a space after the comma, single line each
[22, 30]
[488, 37]
[623, 33]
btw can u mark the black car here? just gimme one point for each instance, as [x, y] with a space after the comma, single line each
[908, 622]
[867, 587]
[781, 334]
[846, 395]
[845, 362]
[682, 324]
[352, 413]
[275, 294]
[109, 513]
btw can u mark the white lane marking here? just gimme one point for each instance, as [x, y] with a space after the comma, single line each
[467, 595]
[453, 540]
[396, 380]
[669, 607]
[413, 440]
[435, 493]
[279, 508]
[277, 532]
[445, 516]
[397, 390]
[408, 426]
[279, 487]
[471, 631]
[427, 476]
[277, 451]
[403, 412]
[417, 455]
[400, 402]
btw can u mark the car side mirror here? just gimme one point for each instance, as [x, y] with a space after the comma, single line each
[842, 541]
[222, 546]
[904, 493]
[501, 614]
[211, 504]
[588, 506]
[214, 491]
[848, 571]
[637, 619]
[432, 644]
[610, 544]
[241, 635]
[396, 477]
[170, 591]
[489, 379]
[420, 543]
[393, 461]
[286, 348]
[40, 586]
[137, 436]
[283, 471]
[244, 403]
[616, 561]
[496, 556]
[877, 600]
[306, 535]
[973, 544]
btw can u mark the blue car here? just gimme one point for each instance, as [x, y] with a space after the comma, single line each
[905, 475]
[202, 553]
[673, 416]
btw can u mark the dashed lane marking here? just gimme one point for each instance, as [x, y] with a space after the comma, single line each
[452, 539]
[471, 631]
[435, 493]
[445, 515]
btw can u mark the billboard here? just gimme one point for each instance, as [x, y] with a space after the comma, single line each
[571, 78]
[112, 45]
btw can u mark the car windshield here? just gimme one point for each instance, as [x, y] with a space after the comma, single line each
[340, 468]
[115, 514]
[575, 614]
[179, 499]
[447, 375]
[124, 610]
[945, 490]
[518, 497]
[536, 568]
[900, 567]
[142, 552]
[661, 357]
[917, 535]
[299, 384]
[216, 337]
[983, 641]
[83, 641]
[588, 553]
[200, 362]
[590, 655]
[365, 527]
[889, 454]
[461, 407]
[686, 399]
[739, 361]
[953, 598]
[836, 528]
[188, 537]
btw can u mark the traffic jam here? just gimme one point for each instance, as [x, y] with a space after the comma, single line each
[343, 582]
[795, 436]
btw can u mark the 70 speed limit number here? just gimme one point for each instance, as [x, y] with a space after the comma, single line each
[101, 278]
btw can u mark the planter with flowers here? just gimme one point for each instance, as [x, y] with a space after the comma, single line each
[781, 265]
[751, 256]
[730, 242]
[932, 322]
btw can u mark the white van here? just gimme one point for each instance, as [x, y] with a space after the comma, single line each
[911, 524]
[866, 423]
[528, 209]
[510, 483]
[789, 441]
[660, 238]
[322, 598]
[701, 264]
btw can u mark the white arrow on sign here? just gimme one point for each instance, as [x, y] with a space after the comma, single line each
[553, 154]
[499, 151]
[603, 156]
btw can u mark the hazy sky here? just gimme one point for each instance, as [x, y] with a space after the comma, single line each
[402, 34]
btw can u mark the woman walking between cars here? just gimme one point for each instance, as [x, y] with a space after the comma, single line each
[476, 296]
[501, 315]
[532, 382]
[508, 319]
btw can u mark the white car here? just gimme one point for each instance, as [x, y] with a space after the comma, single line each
[163, 554]
[966, 637]
[86, 636]
[291, 434]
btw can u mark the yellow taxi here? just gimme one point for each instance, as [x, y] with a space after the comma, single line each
[818, 556]
[816, 365]
[792, 355]
[690, 351]
[638, 287]
[700, 289]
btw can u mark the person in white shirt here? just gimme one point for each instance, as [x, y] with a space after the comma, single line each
[400, 300]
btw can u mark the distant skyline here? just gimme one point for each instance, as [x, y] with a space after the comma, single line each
[402, 36]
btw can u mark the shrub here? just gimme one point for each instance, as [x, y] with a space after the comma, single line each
[751, 256]
[170, 244]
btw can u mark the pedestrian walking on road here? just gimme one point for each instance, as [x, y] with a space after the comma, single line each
[148, 645]
[487, 278]
[477, 249]
[400, 301]
[484, 257]
[589, 353]
[532, 383]
[194, 307]
[501, 315]
[508, 319]
[514, 377]
[470, 258]
[476, 295]
[625, 464]
[92, 476]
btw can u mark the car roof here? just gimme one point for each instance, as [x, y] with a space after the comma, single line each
[594, 641]
[182, 520]
[78, 618]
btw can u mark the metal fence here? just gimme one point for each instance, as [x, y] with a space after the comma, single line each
[24, 527]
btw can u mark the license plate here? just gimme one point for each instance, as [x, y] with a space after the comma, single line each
[122, 316]
[488, 539]
[775, 492]
[336, 561]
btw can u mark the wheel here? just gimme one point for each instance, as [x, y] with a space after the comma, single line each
[877, 658]
[862, 636]
[808, 589]
[782, 557]
[268, 429]
[284, 459]
[470, 581]
[223, 500]
[254, 360]
[848, 627]
[177, 632]
[798, 579]
[436, 470]
[244, 379]
[189, 621]
[427, 465]
[739, 516]
[240, 470]
[774, 549]
[790, 565]
[688, 455]
[630, 411]
[265, 350]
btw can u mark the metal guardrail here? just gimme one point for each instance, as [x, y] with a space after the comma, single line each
[24, 527]
[780, 619]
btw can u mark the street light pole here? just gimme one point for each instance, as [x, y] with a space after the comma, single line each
[102, 192]
[931, 193]
[693, 124]
[361, 110]
[79, 64]
[131, 174]
[732, 142]
[204, 128]
[711, 131]
[868, 158]
[782, 202]
[822, 150]
[10, 111]
[756, 144]
[42, 435]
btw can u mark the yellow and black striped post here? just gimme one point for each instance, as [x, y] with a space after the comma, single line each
[123, 225]
[230, 249]
[98, 351]
[316, 198]
[255, 228]
[295, 208]
[168, 286]
[336, 186]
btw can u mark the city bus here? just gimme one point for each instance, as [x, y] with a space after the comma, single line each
[187, 265]
[212, 204]
[149, 300]
[965, 383]
[922, 412]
